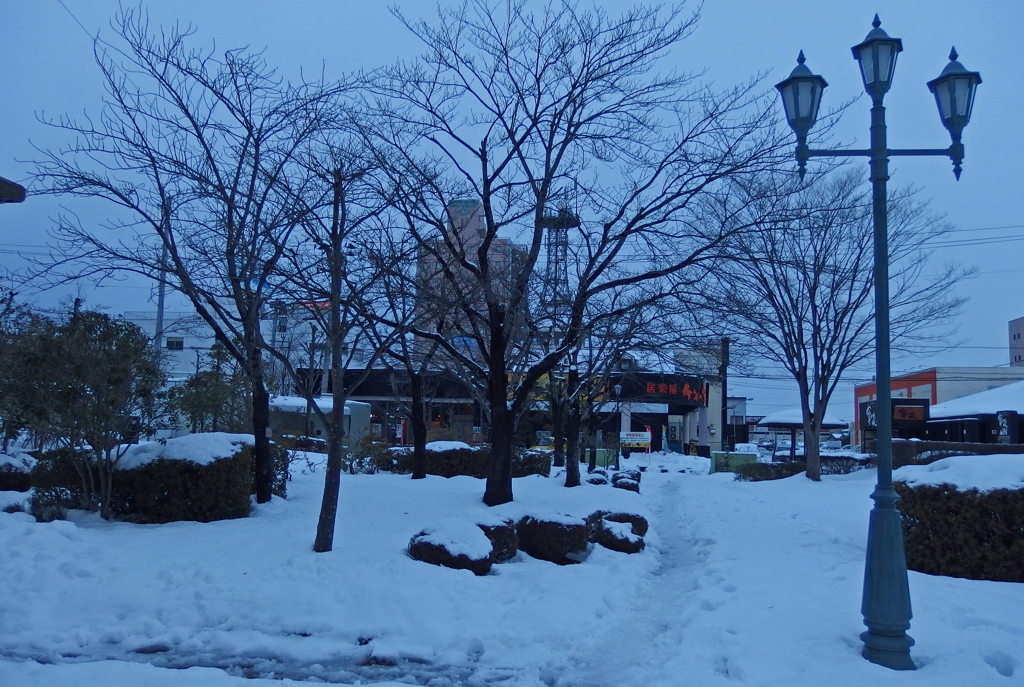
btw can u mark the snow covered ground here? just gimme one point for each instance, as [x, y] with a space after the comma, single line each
[741, 583]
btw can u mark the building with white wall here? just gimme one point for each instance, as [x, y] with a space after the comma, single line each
[1016, 337]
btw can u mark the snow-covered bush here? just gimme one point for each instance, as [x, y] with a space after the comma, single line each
[450, 459]
[627, 484]
[200, 477]
[167, 490]
[57, 485]
[964, 517]
[561, 539]
[618, 536]
[454, 544]
[626, 474]
[761, 472]
[15, 471]
[503, 536]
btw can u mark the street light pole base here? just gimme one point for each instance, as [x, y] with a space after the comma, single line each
[889, 651]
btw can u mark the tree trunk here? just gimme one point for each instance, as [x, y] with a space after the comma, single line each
[498, 489]
[592, 439]
[557, 426]
[812, 454]
[106, 475]
[419, 427]
[324, 541]
[572, 458]
[260, 425]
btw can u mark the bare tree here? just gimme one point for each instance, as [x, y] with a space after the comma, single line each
[527, 112]
[801, 294]
[199, 154]
[336, 266]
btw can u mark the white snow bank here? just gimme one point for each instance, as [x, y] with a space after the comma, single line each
[667, 461]
[447, 445]
[984, 473]
[21, 462]
[198, 448]
[458, 536]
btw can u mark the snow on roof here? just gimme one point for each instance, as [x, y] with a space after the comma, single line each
[198, 448]
[984, 473]
[793, 417]
[1008, 397]
[297, 404]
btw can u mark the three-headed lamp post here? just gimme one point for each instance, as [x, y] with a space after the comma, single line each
[886, 598]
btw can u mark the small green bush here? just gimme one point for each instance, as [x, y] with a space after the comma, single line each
[57, 486]
[970, 534]
[761, 472]
[294, 442]
[12, 479]
[837, 465]
[368, 456]
[169, 490]
[463, 461]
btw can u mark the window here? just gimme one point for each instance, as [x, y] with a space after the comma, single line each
[175, 343]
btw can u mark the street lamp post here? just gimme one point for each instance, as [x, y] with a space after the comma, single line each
[886, 598]
[618, 418]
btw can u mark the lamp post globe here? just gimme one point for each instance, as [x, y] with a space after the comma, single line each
[801, 96]
[876, 56]
[954, 92]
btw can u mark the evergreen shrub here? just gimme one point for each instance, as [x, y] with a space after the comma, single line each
[15, 477]
[293, 442]
[969, 534]
[57, 486]
[760, 472]
[168, 490]
[471, 462]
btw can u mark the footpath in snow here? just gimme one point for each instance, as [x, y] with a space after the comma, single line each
[741, 583]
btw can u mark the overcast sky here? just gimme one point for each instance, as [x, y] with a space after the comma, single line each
[48, 67]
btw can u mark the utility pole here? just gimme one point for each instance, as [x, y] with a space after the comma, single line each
[161, 289]
[723, 374]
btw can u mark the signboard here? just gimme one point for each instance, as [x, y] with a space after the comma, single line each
[635, 439]
[649, 387]
[906, 413]
[903, 412]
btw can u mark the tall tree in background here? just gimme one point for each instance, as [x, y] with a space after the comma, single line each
[528, 112]
[198, 154]
[801, 294]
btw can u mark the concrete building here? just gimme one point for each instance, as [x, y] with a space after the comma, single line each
[1016, 336]
[936, 385]
[442, 282]
[185, 341]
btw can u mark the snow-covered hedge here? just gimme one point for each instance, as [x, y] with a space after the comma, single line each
[14, 472]
[454, 458]
[201, 477]
[963, 516]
